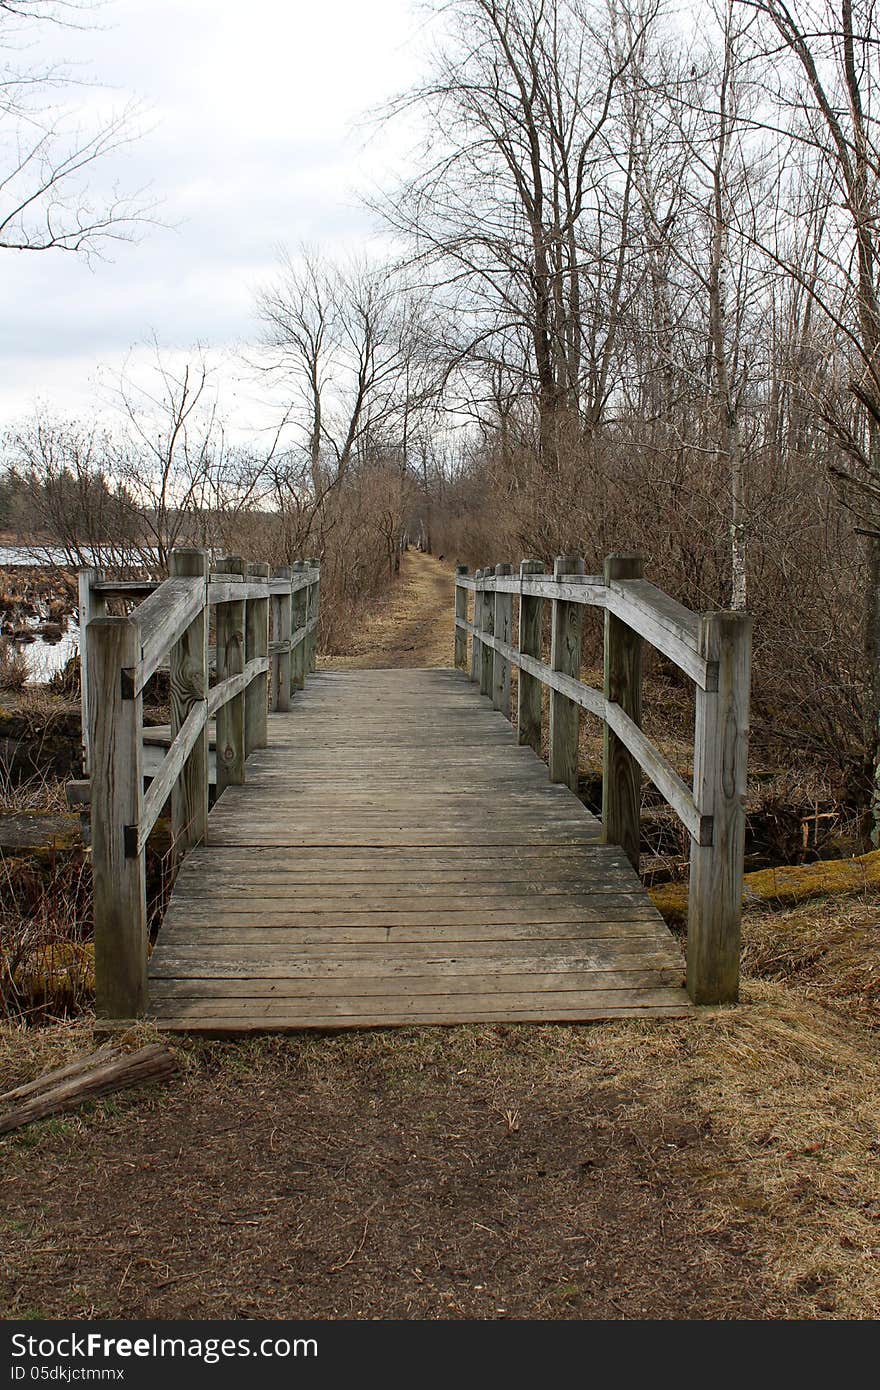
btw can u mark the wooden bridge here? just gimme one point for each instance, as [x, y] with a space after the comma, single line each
[385, 847]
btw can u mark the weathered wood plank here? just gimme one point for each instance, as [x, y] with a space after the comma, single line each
[182, 970]
[487, 658]
[161, 620]
[282, 629]
[91, 603]
[565, 657]
[621, 773]
[233, 1025]
[531, 631]
[313, 614]
[256, 698]
[189, 688]
[502, 627]
[115, 716]
[230, 626]
[441, 986]
[299, 619]
[461, 594]
[720, 759]
[231, 687]
[168, 775]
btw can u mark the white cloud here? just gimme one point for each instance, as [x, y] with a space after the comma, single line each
[253, 138]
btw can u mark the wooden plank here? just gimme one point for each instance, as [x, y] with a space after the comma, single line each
[449, 985]
[120, 909]
[720, 763]
[91, 603]
[621, 773]
[502, 627]
[666, 624]
[189, 688]
[461, 594]
[312, 616]
[233, 1025]
[565, 657]
[232, 687]
[586, 589]
[663, 775]
[194, 953]
[161, 621]
[256, 697]
[487, 660]
[607, 958]
[123, 588]
[230, 590]
[435, 1008]
[280, 912]
[531, 637]
[282, 628]
[402, 935]
[230, 627]
[299, 618]
[166, 778]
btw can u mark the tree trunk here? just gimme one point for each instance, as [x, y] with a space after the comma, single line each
[872, 665]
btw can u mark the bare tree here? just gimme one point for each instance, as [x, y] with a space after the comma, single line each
[348, 345]
[47, 157]
[173, 458]
[70, 509]
[832, 115]
[517, 208]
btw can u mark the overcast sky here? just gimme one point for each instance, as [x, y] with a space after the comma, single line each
[254, 138]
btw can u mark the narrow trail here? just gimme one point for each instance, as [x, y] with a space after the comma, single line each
[414, 625]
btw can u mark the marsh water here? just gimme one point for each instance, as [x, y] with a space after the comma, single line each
[44, 655]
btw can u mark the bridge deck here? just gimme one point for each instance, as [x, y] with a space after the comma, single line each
[395, 858]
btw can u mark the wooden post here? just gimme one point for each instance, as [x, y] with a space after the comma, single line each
[230, 662]
[115, 718]
[503, 627]
[476, 645]
[90, 605]
[621, 774]
[314, 610]
[487, 655]
[720, 758]
[461, 597]
[189, 687]
[531, 615]
[299, 614]
[256, 696]
[282, 610]
[565, 656]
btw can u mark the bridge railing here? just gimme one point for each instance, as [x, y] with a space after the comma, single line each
[714, 649]
[118, 657]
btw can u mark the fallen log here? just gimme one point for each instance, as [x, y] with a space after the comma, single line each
[82, 1082]
[52, 1078]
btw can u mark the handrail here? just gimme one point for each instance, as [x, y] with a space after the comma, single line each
[666, 624]
[161, 619]
[712, 648]
[118, 657]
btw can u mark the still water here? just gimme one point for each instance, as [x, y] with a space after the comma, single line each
[44, 658]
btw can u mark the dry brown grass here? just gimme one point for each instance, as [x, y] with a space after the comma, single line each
[729, 1166]
[13, 666]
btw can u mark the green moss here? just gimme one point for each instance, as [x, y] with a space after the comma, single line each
[783, 887]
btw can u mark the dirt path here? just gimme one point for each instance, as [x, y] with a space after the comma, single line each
[721, 1166]
[413, 627]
